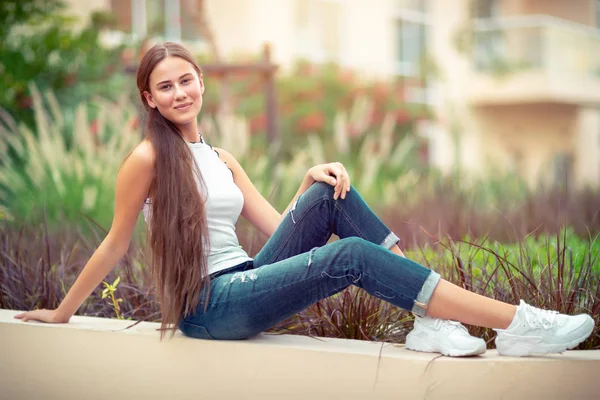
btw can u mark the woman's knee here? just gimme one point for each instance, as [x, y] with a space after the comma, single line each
[318, 192]
[320, 189]
[325, 188]
[352, 246]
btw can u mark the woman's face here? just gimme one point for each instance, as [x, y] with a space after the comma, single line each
[176, 91]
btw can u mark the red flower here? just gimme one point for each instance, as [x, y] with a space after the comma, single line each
[311, 122]
[258, 123]
[403, 116]
[94, 127]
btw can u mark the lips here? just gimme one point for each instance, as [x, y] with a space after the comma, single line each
[183, 106]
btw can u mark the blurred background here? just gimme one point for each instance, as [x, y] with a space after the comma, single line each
[471, 126]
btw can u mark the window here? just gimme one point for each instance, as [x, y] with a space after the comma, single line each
[170, 19]
[490, 48]
[411, 47]
[411, 32]
[486, 9]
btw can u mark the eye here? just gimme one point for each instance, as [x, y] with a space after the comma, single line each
[186, 81]
[165, 87]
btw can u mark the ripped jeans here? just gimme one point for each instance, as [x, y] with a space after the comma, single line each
[297, 267]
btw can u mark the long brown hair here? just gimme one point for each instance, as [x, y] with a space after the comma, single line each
[177, 230]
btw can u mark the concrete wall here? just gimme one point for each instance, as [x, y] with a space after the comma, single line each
[94, 358]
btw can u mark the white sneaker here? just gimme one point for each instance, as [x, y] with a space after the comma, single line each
[536, 331]
[450, 338]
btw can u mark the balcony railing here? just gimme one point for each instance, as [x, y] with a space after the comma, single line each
[536, 43]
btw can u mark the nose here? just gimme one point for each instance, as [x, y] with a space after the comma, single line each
[179, 92]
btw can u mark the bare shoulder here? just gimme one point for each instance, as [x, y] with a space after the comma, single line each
[138, 166]
[223, 154]
[226, 156]
[133, 185]
[143, 154]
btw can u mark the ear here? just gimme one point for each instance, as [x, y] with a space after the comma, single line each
[201, 80]
[148, 97]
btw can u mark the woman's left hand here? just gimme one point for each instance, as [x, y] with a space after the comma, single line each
[334, 174]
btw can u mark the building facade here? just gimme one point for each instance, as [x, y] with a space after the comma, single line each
[515, 84]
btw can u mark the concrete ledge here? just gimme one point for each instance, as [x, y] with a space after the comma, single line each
[94, 358]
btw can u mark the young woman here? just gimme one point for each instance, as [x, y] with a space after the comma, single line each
[192, 196]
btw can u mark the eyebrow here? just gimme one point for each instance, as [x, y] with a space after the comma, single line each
[160, 83]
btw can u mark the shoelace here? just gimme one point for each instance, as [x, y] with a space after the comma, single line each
[441, 323]
[537, 317]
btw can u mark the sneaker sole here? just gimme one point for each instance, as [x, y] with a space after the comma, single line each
[529, 349]
[416, 344]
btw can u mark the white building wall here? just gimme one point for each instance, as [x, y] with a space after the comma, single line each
[587, 146]
[369, 37]
[453, 112]
[366, 30]
[368, 44]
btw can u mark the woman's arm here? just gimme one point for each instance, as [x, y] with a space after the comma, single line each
[333, 173]
[133, 183]
[260, 212]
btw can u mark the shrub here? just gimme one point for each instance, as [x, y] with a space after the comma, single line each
[67, 167]
[310, 98]
[559, 273]
[39, 44]
[37, 269]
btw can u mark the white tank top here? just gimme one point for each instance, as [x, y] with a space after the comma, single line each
[223, 208]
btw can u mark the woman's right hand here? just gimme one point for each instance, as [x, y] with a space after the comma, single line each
[43, 315]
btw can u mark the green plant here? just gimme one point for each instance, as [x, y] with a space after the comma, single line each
[560, 273]
[4, 215]
[17, 12]
[109, 293]
[64, 169]
[565, 283]
[542, 252]
[37, 269]
[311, 97]
[350, 314]
[381, 165]
[40, 45]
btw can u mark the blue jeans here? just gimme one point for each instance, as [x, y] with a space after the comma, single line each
[297, 267]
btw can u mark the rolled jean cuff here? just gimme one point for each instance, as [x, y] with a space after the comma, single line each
[389, 240]
[420, 304]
